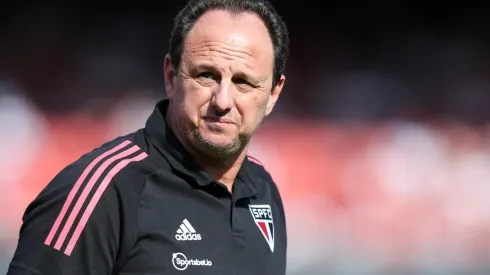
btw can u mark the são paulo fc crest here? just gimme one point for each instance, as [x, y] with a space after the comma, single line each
[262, 215]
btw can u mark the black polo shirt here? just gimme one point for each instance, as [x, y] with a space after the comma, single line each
[140, 205]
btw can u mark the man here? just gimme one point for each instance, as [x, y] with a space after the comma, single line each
[179, 196]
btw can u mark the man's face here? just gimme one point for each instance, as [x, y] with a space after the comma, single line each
[223, 88]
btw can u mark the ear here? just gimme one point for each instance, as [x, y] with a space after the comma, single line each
[276, 91]
[169, 73]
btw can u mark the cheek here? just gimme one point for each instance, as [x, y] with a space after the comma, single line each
[252, 110]
[194, 99]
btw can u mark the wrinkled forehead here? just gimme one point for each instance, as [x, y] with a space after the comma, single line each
[221, 33]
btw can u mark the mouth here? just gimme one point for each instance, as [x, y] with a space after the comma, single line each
[215, 119]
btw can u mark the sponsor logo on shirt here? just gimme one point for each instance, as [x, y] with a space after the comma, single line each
[186, 232]
[180, 261]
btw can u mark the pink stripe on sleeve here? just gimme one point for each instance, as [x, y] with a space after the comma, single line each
[95, 199]
[86, 191]
[75, 188]
[252, 159]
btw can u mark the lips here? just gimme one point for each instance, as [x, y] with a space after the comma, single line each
[219, 119]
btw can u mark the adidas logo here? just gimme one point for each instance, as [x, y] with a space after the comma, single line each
[187, 233]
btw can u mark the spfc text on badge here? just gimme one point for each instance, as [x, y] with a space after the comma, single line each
[262, 215]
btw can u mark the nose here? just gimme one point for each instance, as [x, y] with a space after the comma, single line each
[223, 98]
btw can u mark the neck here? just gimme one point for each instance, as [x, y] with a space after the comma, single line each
[221, 170]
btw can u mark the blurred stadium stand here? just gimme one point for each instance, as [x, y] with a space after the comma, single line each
[380, 143]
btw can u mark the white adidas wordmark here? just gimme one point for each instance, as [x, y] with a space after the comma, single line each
[186, 232]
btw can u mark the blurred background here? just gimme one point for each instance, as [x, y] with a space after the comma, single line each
[380, 143]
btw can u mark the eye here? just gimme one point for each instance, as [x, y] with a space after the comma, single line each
[206, 75]
[241, 81]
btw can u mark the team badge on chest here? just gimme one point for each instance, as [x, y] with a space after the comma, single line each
[262, 215]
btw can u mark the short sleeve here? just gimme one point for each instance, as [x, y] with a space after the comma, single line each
[71, 227]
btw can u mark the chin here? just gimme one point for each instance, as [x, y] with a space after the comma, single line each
[218, 146]
[218, 141]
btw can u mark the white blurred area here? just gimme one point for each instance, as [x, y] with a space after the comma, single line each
[19, 124]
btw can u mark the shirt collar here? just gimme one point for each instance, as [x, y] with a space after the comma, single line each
[165, 141]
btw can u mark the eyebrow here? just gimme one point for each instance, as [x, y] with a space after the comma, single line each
[202, 67]
[206, 67]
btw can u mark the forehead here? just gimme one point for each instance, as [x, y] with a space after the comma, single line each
[218, 34]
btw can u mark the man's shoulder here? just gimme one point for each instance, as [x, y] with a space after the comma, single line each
[107, 177]
[259, 170]
[124, 157]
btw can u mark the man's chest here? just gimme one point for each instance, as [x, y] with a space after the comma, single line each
[182, 232]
